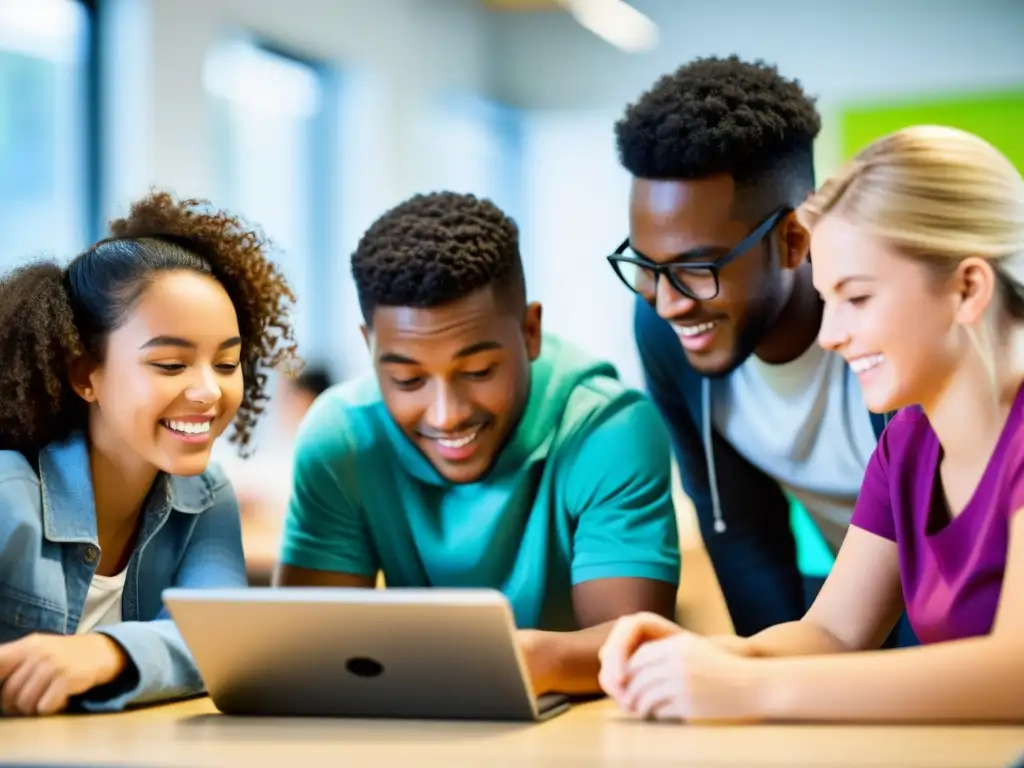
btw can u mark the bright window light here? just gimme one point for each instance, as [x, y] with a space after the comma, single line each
[43, 160]
[240, 73]
[44, 29]
[616, 21]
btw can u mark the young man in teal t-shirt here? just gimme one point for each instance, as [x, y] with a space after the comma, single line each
[483, 453]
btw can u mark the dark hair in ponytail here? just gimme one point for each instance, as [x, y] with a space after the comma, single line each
[38, 341]
[51, 317]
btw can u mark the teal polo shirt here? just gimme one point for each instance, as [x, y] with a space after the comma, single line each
[581, 491]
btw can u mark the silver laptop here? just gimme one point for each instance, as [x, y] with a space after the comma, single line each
[397, 653]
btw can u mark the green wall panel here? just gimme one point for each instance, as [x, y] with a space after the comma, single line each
[996, 117]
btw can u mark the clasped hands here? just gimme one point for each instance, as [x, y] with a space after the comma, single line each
[656, 670]
[40, 673]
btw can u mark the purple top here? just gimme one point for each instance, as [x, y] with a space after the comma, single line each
[951, 569]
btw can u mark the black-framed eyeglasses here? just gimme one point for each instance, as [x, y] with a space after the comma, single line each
[693, 278]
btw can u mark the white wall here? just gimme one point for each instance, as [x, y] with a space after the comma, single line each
[397, 55]
[574, 201]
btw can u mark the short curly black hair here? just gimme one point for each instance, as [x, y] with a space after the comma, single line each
[723, 115]
[437, 248]
[50, 316]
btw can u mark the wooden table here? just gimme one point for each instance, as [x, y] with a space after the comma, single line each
[191, 733]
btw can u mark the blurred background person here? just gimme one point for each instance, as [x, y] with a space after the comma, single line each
[298, 393]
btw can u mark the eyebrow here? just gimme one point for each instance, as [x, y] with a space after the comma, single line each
[177, 341]
[853, 278]
[694, 254]
[472, 349]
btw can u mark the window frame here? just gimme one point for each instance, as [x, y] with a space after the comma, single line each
[323, 190]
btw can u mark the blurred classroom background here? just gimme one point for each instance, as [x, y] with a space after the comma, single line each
[311, 117]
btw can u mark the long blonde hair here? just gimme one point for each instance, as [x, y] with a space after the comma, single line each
[938, 195]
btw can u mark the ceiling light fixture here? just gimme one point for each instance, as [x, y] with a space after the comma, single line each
[615, 21]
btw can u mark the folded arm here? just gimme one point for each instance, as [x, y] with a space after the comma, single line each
[862, 598]
[978, 679]
[810, 678]
[856, 609]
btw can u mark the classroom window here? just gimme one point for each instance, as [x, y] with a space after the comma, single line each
[575, 206]
[269, 109]
[45, 131]
[471, 145]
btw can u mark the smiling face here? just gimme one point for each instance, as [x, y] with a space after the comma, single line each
[893, 318]
[170, 381]
[456, 378]
[681, 221]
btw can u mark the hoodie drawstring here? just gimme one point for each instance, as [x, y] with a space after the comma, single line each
[709, 455]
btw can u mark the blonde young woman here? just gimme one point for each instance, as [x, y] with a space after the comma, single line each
[919, 256]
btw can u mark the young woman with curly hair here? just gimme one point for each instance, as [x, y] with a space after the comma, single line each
[119, 371]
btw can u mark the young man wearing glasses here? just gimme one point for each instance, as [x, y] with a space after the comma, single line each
[721, 152]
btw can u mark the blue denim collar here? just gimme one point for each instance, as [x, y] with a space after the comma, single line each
[69, 510]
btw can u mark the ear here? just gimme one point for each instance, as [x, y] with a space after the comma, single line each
[975, 284]
[532, 330]
[365, 330]
[82, 376]
[794, 241]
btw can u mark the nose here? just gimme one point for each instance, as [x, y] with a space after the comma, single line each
[670, 303]
[448, 410]
[205, 388]
[832, 335]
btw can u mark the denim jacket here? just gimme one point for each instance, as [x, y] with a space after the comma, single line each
[190, 536]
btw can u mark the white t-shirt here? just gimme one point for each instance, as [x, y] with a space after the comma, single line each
[103, 602]
[806, 425]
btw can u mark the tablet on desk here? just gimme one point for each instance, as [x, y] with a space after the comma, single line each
[399, 653]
